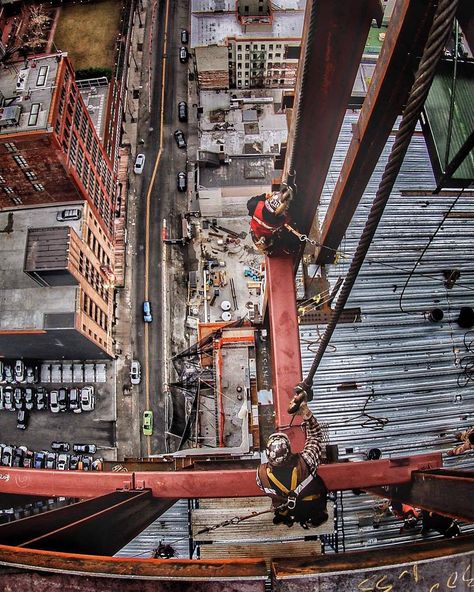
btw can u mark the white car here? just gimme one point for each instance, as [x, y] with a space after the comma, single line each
[135, 372]
[87, 398]
[139, 164]
[54, 402]
[19, 371]
[62, 462]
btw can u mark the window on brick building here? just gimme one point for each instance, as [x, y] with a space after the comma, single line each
[89, 140]
[84, 127]
[30, 175]
[20, 161]
[42, 76]
[10, 146]
[17, 200]
[38, 186]
[34, 113]
[77, 117]
[80, 160]
[8, 190]
[73, 149]
[2, 180]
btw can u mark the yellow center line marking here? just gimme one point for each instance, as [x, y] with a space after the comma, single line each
[147, 216]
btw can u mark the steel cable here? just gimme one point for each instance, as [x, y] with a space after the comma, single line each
[440, 30]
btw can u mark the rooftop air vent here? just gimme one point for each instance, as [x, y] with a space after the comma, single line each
[10, 115]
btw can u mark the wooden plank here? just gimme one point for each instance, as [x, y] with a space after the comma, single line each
[257, 528]
[266, 551]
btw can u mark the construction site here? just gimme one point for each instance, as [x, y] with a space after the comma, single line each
[319, 420]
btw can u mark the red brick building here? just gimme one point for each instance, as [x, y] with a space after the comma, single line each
[49, 149]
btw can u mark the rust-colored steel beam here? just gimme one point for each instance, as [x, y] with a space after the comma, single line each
[334, 37]
[285, 341]
[136, 568]
[99, 526]
[388, 91]
[227, 483]
[446, 492]
[466, 20]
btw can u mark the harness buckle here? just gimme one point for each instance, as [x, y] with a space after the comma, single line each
[291, 503]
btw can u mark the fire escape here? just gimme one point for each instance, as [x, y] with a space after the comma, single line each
[114, 507]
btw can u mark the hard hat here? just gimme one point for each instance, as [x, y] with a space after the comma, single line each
[273, 203]
[278, 449]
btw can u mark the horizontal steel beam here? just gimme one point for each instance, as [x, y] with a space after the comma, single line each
[215, 483]
[100, 526]
[121, 569]
[450, 493]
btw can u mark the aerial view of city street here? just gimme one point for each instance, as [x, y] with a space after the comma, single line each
[236, 278]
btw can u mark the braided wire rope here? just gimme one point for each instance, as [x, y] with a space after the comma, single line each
[437, 37]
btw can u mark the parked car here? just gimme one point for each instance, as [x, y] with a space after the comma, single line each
[18, 455]
[98, 464]
[71, 214]
[41, 398]
[39, 459]
[29, 398]
[85, 448]
[87, 398]
[53, 402]
[22, 420]
[147, 423]
[184, 36]
[28, 459]
[85, 463]
[183, 54]
[139, 164]
[181, 181]
[19, 371]
[50, 461]
[180, 139]
[74, 461]
[147, 316]
[1, 371]
[62, 462]
[31, 374]
[135, 372]
[183, 111]
[1, 398]
[18, 401]
[7, 456]
[62, 399]
[60, 446]
[8, 373]
[74, 400]
[8, 402]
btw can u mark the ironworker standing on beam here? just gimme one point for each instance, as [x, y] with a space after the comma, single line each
[298, 494]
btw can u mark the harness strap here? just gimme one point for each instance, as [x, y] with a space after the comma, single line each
[264, 225]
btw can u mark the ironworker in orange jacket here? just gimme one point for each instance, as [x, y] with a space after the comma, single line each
[269, 215]
[298, 494]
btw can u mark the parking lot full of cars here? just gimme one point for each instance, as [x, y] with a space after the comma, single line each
[20, 393]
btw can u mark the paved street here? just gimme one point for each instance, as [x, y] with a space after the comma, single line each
[157, 198]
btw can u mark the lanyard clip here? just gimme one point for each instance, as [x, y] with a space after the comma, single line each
[291, 503]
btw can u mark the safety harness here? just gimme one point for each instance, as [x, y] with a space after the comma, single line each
[295, 488]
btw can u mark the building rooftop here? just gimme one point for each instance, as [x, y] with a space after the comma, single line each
[229, 5]
[239, 128]
[215, 28]
[23, 303]
[26, 91]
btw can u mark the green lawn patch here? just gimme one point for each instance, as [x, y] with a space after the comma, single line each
[88, 33]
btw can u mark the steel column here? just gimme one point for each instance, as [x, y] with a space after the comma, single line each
[334, 37]
[99, 526]
[388, 91]
[450, 493]
[285, 341]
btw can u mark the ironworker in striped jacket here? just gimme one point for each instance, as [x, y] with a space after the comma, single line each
[298, 494]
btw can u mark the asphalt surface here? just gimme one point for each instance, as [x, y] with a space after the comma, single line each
[158, 186]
